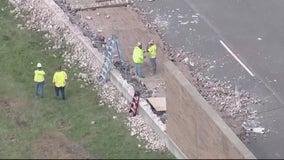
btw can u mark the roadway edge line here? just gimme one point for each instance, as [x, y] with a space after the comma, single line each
[236, 58]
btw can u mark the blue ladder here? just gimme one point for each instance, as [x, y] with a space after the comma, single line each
[112, 48]
[105, 69]
[123, 67]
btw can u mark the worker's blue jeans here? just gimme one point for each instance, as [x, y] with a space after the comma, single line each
[138, 68]
[60, 89]
[153, 64]
[39, 88]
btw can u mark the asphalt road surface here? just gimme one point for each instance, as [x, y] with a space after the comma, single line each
[244, 40]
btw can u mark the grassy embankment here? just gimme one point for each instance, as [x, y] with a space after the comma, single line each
[25, 118]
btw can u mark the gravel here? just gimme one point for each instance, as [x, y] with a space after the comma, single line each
[40, 19]
[232, 104]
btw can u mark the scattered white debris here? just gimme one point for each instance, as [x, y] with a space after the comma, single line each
[258, 130]
[217, 93]
[220, 94]
[259, 38]
[160, 22]
[88, 18]
[184, 23]
[186, 60]
[139, 127]
[191, 62]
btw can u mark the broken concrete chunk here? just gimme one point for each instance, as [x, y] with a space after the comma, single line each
[88, 17]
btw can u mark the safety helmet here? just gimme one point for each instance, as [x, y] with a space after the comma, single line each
[151, 42]
[39, 65]
[139, 43]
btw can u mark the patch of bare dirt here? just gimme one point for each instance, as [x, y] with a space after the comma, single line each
[54, 145]
[18, 120]
[15, 102]
[9, 104]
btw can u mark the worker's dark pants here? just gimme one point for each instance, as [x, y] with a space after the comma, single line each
[60, 89]
[153, 64]
[39, 89]
[138, 69]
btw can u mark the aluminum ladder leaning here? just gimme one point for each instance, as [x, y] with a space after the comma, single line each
[103, 74]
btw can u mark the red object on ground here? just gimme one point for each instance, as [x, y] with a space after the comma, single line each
[134, 104]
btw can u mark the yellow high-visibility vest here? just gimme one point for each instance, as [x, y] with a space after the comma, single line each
[152, 51]
[59, 78]
[138, 55]
[39, 75]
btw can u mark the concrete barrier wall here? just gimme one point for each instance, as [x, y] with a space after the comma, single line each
[190, 124]
[194, 125]
[126, 89]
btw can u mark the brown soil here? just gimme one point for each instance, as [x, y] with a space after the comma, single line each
[127, 26]
[13, 102]
[8, 103]
[54, 145]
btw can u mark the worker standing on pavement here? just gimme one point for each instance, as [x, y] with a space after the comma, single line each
[138, 59]
[39, 80]
[152, 52]
[59, 81]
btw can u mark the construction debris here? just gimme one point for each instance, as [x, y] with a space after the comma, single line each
[231, 103]
[139, 127]
[39, 20]
[158, 103]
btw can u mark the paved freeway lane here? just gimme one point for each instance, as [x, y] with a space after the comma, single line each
[254, 31]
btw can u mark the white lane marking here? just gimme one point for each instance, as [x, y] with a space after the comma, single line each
[232, 53]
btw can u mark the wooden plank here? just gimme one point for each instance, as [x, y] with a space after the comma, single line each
[158, 103]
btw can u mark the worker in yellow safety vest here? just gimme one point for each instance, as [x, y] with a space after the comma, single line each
[152, 52]
[59, 81]
[39, 80]
[138, 59]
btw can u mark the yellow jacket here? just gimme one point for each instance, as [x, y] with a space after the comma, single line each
[39, 75]
[138, 55]
[152, 51]
[59, 78]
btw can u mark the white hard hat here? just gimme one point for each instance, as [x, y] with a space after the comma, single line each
[151, 42]
[39, 65]
[139, 43]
